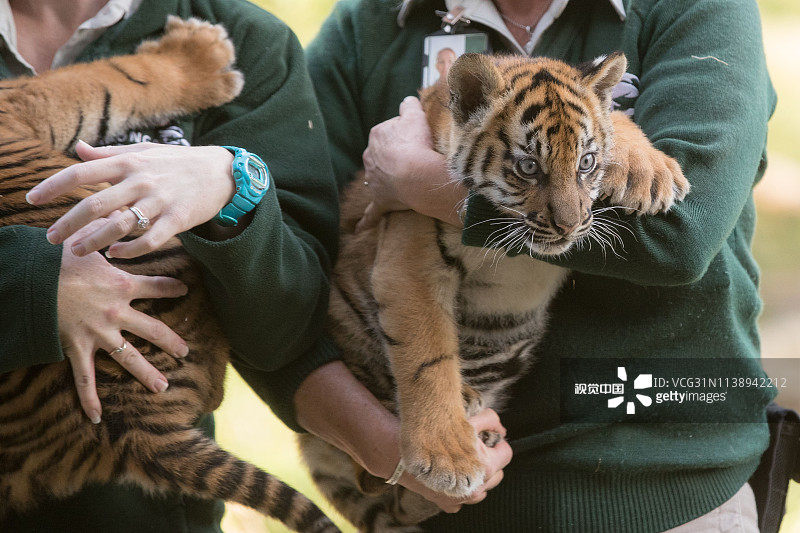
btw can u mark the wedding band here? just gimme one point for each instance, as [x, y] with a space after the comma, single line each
[119, 350]
[143, 220]
[398, 471]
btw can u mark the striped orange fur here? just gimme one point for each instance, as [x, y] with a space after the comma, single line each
[437, 330]
[48, 448]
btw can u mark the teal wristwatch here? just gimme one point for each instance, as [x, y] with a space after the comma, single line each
[252, 179]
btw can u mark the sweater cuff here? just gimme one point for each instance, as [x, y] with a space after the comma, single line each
[277, 388]
[39, 305]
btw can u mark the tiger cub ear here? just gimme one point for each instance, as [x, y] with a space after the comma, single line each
[473, 80]
[603, 74]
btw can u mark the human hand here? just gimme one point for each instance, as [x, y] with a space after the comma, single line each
[403, 171]
[494, 459]
[94, 306]
[175, 187]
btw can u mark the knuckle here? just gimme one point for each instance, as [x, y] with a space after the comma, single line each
[157, 332]
[84, 381]
[112, 314]
[95, 205]
[127, 358]
[120, 225]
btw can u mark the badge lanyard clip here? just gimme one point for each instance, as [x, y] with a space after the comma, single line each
[452, 20]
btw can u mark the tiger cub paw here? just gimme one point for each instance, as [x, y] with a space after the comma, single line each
[640, 177]
[445, 460]
[205, 54]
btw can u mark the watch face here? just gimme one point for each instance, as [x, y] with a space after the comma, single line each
[258, 173]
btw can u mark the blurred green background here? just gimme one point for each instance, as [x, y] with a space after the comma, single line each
[247, 427]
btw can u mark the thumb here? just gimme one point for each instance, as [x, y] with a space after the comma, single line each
[370, 218]
[411, 105]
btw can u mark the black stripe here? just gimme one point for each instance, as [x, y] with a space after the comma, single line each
[125, 73]
[255, 492]
[231, 481]
[77, 134]
[531, 113]
[428, 364]
[282, 503]
[449, 260]
[102, 131]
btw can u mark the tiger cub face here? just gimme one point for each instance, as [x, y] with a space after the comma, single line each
[534, 137]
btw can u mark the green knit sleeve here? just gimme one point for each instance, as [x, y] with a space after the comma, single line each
[29, 268]
[705, 100]
[269, 285]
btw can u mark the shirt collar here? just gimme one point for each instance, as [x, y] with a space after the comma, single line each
[485, 12]
[111, 13]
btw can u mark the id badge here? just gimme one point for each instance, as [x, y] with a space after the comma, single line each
[441, 49]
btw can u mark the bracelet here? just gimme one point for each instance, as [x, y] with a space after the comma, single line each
[398, 471]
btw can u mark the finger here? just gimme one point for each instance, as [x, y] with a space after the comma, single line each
[85, 231]
[118, 225]
[155, 331]
[153, 239]
[488, 420]
[410, 105]
[498, 457]
[146, 287]
[82, 363]
[99, 204]
[88, 152]
[371, 216]
[63, 181]
[139, 367]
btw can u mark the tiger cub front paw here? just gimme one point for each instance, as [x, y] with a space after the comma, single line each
[641, 177]
[445, 459]
[205, 55]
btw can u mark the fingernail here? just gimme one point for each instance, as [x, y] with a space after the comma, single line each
[78, 249]
[160, 385]
[33, 196]
[108, 254]
[183, 351]
[53, 237]
[94, 416]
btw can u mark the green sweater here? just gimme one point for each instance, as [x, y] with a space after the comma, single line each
[684, 288]
[268, 285]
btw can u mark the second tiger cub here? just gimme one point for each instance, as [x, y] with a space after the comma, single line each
[432, 327]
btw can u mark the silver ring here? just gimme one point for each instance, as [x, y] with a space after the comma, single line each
[143, 221]
[120, 349]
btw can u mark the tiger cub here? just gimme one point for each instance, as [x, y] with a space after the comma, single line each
[434, 329]
[48, 448]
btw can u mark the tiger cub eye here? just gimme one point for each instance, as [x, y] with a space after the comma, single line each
[527, 168]
[587, 163]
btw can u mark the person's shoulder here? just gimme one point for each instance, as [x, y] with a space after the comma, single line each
[676, 8]
[240, 17]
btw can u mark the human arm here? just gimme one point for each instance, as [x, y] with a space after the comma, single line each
[333, 405]
[403, 171]
[71, 306]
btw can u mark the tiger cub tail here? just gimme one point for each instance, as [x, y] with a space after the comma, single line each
[193, 463]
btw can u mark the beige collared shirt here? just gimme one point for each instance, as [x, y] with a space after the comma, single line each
[485, 12]
[110, 14]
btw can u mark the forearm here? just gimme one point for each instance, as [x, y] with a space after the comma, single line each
[335, 406]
